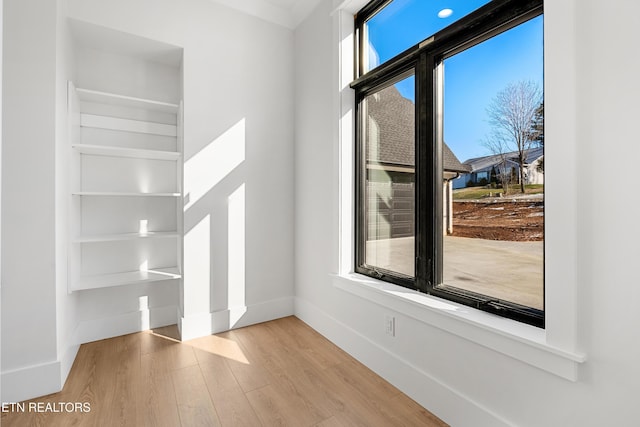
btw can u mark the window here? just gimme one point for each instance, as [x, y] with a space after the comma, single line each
[450, 152]
[388, 173]
[383, 26]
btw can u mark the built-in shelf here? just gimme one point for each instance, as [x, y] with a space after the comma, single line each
[125, 278]
[126, 236]
[122, 194]
[135, 153]
[126, 154]
[89, 95]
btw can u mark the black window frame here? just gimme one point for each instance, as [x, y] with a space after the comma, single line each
[423, 58]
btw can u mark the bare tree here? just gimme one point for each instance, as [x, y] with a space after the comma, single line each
[512, 114]
[497, 145]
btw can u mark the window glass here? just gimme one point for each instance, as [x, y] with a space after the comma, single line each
[404, 23]
[389, 178]
[466, 221]
[494, 211]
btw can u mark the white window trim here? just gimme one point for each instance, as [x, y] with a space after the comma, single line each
[553, 349]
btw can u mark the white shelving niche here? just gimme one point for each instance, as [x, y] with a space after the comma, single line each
[126, 191]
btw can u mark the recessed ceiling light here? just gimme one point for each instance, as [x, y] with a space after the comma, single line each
[445, 13]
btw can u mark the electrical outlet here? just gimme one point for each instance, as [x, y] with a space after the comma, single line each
[390, 325]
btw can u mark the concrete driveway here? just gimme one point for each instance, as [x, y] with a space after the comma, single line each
[512, 271]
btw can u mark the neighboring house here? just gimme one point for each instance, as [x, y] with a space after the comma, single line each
[391, 166]
[482, 168]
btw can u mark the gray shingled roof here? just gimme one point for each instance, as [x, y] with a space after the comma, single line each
[390, 128]
[451, 162]
[485, 162]
[391, 131]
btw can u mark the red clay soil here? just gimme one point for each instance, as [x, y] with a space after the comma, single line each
[498, 219]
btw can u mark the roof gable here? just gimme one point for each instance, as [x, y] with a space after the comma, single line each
[391, 130]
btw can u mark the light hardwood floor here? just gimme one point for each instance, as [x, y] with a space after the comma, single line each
[278, 373]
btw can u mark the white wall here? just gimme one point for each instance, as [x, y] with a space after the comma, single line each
[28, 172]
[66, 305]
[468, 384]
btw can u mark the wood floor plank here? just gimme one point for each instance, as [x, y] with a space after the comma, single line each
[231, 404]
[117, 380]
[170, 357]
[194, 404]
[295, 374]
[412, 414]
[352, 407]
[278, 373]
[13, 418]
[364, 379]
[157, 403]
[151, 342]
[334, 421]
[251, 375]
[275, 406]
[314, 346]
[218, 346]
[265, 349]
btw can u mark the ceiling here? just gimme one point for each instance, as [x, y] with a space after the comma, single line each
[288, 13]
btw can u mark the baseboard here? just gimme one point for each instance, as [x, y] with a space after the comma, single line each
[32, 381]
[126, 323]
[450, 405]
[66, 362]
[200, 325]
[39, 380]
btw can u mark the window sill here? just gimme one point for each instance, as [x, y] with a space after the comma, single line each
[517, 340]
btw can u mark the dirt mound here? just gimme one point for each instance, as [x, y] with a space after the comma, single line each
[512, 220]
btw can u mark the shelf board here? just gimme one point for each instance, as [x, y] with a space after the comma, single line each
[122, 194]
[136, 153]
[89, 95]
[127, 125]
[125, 278]
[126, 236]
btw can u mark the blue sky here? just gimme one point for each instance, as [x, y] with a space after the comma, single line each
[472, 77]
